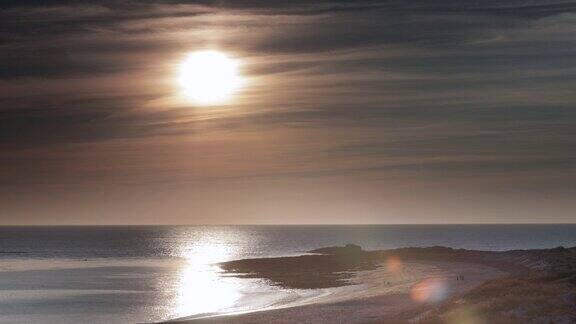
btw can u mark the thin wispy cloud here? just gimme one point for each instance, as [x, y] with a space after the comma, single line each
[423, 91]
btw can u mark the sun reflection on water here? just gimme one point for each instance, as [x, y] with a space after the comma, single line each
[201, 288]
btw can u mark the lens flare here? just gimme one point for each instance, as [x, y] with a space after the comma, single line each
[430, 290]
[394, 264]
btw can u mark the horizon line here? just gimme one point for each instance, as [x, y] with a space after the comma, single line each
[267, 224]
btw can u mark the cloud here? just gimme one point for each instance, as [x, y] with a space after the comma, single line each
[376, 85]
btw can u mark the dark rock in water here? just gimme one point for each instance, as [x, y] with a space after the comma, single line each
[353, 246]
[329, 267]
[348, 249]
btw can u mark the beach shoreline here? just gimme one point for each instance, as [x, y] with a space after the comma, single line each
[370, 299]
[414, 285]
[390, 289]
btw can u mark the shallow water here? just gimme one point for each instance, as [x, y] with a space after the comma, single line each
[144, 274]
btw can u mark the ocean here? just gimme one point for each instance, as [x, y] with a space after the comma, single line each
[130, 274]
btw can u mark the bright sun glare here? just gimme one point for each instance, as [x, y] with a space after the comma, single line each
[209, 77]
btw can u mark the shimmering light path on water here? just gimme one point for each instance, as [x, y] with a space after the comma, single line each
[142, 274]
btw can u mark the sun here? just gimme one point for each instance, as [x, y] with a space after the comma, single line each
[209, 77]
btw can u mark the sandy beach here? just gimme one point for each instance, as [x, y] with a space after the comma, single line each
[392, 291]
[414, 285]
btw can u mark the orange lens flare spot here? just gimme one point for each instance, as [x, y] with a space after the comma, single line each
[429, 291]
[394, 264]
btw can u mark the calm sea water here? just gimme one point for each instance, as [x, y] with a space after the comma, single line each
[152, 273]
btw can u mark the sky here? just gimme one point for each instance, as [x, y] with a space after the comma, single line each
[375, 111]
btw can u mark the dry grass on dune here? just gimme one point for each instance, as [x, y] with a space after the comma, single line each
[513, 300]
